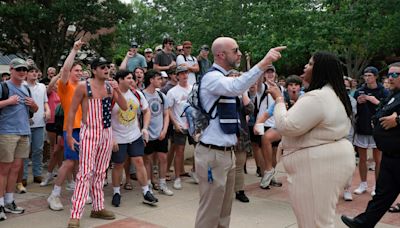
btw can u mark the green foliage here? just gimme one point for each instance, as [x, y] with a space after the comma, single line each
[39, 28]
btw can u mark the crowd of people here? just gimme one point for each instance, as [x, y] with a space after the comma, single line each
[131, 120]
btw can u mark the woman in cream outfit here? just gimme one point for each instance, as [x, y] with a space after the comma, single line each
[316, 154]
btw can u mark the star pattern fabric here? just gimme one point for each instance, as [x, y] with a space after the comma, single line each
[106, 102]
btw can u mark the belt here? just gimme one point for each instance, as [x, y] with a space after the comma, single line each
[223, 148]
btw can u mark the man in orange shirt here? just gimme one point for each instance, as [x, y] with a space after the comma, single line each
[71, 74]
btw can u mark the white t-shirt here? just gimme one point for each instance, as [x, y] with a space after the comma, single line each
[177, 99]
[190, 60]
[263, 107]
[125, 124]
[39, 95]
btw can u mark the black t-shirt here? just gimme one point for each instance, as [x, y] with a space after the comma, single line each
[150, 65]
[164, 59]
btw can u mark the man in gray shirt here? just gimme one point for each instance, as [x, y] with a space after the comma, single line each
[217, 176]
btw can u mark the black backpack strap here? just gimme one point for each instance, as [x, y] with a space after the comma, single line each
[161, 97]
[29, 90]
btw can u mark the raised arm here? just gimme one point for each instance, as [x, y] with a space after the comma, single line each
[70, 61]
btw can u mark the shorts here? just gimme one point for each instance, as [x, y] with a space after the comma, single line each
[179, 138]
[364, 141]
[133, 149]
[13, 146]
[257, 138]
[156, 146]
[68, 153]
[51, 127]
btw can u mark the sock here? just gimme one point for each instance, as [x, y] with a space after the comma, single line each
[56, 190]
[117, 190]
[163, 181]
[2, 201]
[145, 189]
[8, 197]
[364, 183]
[178, 179]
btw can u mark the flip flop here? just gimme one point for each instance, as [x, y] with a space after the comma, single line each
[395, 208]
[128, 186]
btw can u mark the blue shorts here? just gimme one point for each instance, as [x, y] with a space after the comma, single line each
[133, 149]
[68, 153]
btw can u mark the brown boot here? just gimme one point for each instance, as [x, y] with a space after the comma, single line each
[103, 214]
[73, 223]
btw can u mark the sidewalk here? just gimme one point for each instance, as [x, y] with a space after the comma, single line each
[267, 208]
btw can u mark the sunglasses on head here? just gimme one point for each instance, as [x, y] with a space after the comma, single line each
[393, 75]
[104, 66]
[19, 69]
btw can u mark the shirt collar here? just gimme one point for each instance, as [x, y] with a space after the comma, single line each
[221, 69]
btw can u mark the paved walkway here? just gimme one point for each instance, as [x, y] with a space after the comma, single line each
[267, 208]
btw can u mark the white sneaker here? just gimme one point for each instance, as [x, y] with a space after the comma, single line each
[347, 196]
[47, 180]
[165, 190]
[361, 189]
[89, 200]
[373, 193]
[194, 177]
[267, 178]
[177, 184]
[55, 203]
[70, 186]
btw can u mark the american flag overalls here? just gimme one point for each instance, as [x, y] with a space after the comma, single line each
[94, 154]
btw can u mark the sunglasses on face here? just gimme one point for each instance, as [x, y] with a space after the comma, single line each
[180, 49]
[19, 69]
[393, 75]
[104, 66]
[170, 43]
[235, 50]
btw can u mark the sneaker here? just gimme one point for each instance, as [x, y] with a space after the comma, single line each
[73, 223]
[55, 203]
[242, 197]
[103, 214]
[13, 208]
[361, 189]
[47, 180]
[267, 178]
[20, 188]
[149, 199]
[194, 177]
[116, 200]
[2, 213]
[89, 200]
[177, 184]
[70, 186]
[347, 196]
[275, 182]
[373, 193]
[165, 190]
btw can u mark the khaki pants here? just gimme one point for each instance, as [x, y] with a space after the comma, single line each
[215, 198]
[239, 170]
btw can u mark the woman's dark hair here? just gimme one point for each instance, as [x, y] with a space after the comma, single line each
[328, 70]
[122, 74]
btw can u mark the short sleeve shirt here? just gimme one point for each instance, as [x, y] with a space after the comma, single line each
[158, 104]
[164, 59]
[66, 92]
[136, 61]
[177, 100]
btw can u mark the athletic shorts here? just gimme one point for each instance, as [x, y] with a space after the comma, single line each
[364, 141]
[154, 146]
[133, 149]
[13, 146]
[179, 138]
[69, 154]
[257, 138]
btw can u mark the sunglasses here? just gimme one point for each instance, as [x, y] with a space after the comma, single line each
[393, 75]
[170, 43]
[104, 66]
[180, 49]
[235, 50]
[19, 69]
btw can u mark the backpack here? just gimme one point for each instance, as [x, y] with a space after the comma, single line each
[5, 92]
[59, 118]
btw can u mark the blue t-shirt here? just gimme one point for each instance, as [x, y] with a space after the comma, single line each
[14, 119]
[136, 61]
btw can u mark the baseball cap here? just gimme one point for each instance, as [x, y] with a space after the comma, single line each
[371, 69]
[17, 63]
[159, 48]
[99, 62]
[271, 67]
[205, 47]
[180, 69]
[187, 43]
[134, 44]
[164, 74]
[148, 50]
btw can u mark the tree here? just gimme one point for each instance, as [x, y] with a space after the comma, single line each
[39, 28]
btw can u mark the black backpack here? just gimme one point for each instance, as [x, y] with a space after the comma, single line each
[5, 92]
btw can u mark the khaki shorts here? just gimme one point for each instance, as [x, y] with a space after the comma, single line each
[13, 146]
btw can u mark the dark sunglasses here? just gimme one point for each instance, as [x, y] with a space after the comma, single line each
[104, 66]
[180, 49]
[170, 43]
[19, 69]
[393, 75]
[235, 50]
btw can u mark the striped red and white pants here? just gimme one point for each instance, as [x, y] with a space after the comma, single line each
[94, 157]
